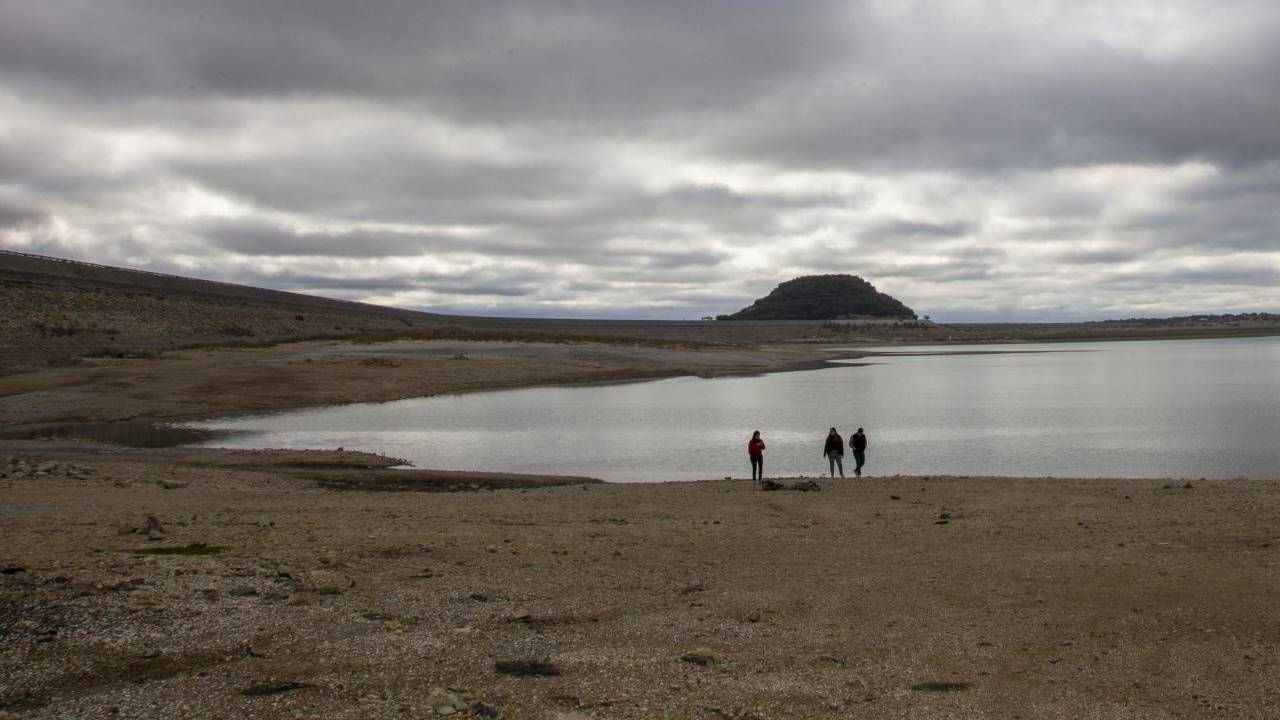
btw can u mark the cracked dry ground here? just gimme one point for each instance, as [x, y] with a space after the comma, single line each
[1032, 599]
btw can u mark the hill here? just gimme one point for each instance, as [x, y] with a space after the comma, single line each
[59, 311]
[823, 297]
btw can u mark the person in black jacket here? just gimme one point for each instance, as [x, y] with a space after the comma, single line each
[834, 450]
[858, 443]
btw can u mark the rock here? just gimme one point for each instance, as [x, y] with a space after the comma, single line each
[150, 525]
[701, 656]
[801, 486]
[447, 702]
[243, 591]
[325, 582]
[172, 484]
[272, 687]
[47, 467]
[526, 668]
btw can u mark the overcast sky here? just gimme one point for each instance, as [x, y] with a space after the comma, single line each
[1017, 160]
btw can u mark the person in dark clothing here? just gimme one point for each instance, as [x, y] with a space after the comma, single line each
[858, 443]
[834, 450]
[755, 450]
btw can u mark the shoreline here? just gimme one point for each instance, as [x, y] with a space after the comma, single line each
[323, 584]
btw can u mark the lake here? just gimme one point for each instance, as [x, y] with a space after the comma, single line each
[1152, 409]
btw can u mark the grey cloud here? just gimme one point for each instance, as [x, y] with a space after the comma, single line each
[558, 60]
[1218, 274]
[946, 89]
[1093, 256]
[14, 215]
[259, 238]
[906, 229]
[919, 145]
[295, 281]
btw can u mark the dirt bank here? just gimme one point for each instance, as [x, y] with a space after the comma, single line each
[199, 383]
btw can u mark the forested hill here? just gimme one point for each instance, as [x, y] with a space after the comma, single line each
[823, 297]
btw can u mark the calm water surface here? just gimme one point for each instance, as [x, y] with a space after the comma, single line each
[1184, 409]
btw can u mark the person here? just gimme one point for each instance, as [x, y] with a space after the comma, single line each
[834, 451]
[858, 443]
[755, 450]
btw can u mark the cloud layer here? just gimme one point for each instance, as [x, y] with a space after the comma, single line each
[978, 160]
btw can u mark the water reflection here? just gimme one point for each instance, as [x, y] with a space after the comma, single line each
[132, 434]
[1196, 408]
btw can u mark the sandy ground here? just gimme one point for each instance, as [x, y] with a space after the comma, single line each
[873, 598]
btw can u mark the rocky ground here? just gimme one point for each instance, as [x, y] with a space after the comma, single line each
[207, 584]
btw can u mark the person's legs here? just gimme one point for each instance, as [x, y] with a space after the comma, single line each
[831, 461]
[757, 467]
[860, 457]
[839, 464]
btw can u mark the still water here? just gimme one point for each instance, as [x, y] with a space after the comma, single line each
[1174, 408]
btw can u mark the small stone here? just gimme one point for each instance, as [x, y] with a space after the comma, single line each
[701, 656]
[526, 668]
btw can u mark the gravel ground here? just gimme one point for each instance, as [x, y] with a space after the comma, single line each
[877, 598]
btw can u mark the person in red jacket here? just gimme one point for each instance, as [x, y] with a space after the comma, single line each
[755, 450]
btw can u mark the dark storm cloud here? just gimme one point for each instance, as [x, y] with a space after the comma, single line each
[564, 157]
